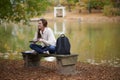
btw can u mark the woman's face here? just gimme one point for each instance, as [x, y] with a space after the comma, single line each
[40, 25]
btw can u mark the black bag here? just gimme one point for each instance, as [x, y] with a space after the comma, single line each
[63, 45]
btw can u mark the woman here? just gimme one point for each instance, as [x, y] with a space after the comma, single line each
[46, 37]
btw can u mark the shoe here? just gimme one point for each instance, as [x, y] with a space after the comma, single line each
[31, 52]
[46, 52]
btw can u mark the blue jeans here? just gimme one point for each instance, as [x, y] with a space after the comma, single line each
[40, 49]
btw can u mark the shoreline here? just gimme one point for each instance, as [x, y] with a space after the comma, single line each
[92, 17]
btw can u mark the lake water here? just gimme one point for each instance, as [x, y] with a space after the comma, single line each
[95, 43]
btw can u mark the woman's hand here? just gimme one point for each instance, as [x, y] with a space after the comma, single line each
[41, 40]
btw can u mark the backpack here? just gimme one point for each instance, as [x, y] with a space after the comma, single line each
[63, 45]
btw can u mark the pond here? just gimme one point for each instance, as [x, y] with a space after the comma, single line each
[96, 43]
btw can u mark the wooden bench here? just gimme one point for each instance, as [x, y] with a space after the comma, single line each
[65, 63]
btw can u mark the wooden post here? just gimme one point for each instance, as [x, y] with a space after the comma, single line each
[66, 64]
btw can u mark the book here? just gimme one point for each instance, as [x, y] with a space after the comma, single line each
[32, 41]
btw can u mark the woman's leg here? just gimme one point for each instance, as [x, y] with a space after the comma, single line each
[37, 48]
[52, 49]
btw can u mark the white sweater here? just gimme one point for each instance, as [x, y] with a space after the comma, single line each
[47, 36]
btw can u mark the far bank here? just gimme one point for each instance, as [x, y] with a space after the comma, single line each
[83, 17]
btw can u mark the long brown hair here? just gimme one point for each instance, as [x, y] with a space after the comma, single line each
[44, 21]
[38, 34]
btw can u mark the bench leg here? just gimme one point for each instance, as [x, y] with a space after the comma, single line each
[66, 64]
[31, 60]
[65, 69]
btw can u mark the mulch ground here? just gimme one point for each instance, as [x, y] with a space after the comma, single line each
[14, 70]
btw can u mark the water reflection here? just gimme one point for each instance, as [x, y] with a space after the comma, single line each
[104, 46]
[59, 27]
[96, 43]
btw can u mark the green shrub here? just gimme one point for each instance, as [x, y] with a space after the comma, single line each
[109, 10]
[116, 11]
